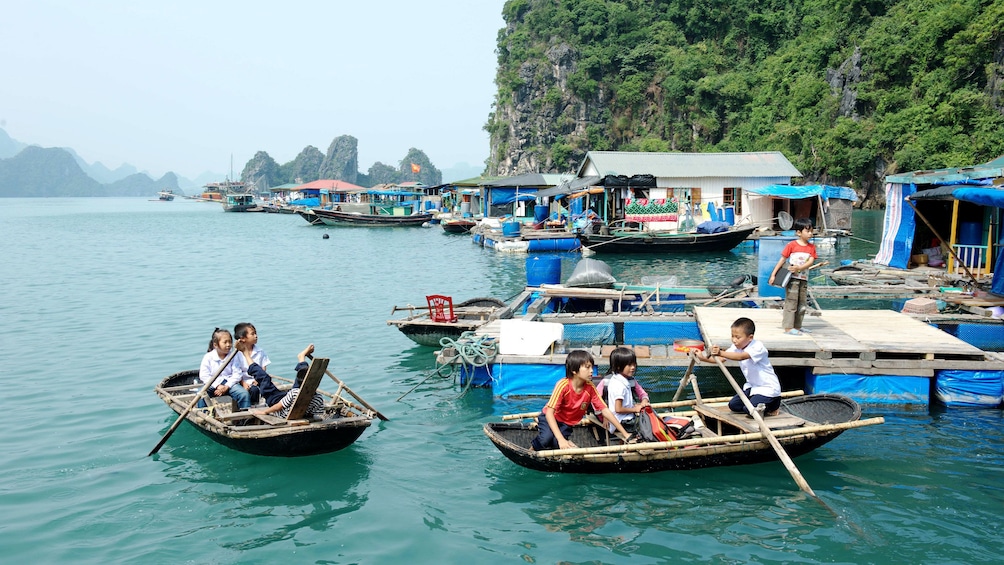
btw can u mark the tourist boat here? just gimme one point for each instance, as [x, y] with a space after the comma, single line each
[722, 438]
[628, 240]
[341, 424]
[459, 226]
[240, 202]
[338, 218]
[421, 327]
[166, 195]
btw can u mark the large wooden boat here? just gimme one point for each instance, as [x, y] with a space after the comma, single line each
[337, 218]
[640, 241]
[723, 438]
[423, 330]
[341, 423]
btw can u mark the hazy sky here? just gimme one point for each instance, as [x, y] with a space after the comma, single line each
[183, 85]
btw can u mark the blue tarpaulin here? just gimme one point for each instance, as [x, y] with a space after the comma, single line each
[899, 227]
[808, 191]
[501, 196]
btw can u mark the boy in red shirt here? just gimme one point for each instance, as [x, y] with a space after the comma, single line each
[568, 403]
[800, 254]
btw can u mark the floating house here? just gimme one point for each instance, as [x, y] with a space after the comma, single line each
[666, 190]
[323, 193]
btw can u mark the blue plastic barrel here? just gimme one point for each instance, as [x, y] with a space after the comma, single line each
[510, 229]
[730, 215]
[540, 212]
[770, 252]
[554, 244]
[543, 270]
[971, 233]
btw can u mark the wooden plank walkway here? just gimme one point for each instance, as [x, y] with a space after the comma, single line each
[878, 341]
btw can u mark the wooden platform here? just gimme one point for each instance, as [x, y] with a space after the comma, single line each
[858, 341]
[745, 423]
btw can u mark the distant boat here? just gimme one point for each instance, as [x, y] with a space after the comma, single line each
[166, 195]
[237, 202]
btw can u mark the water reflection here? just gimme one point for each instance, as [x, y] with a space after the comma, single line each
[272, 498]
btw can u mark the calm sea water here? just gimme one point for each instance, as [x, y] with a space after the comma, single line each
[103, 297]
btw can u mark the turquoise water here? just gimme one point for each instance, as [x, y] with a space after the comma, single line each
[103, 297]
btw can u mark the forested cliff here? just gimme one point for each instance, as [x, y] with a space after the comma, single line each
[848, 90]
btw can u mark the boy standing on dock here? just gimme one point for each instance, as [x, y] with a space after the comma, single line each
[800, 254]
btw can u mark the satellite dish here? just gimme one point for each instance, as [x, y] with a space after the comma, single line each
[784, 220]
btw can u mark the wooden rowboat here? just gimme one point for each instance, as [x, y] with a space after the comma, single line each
[341, 424]
[803, 424]
[634, 241]
[420, 328]
[336, 218]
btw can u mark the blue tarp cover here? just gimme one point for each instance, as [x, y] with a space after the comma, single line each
[808, 191]
[970, 388]
[882, 389]
[308, 202]
[982, 196]
[509, 195]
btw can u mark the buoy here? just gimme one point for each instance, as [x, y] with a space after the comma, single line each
[325, 236]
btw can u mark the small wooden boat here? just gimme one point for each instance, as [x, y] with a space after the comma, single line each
[423, 330]
[337, 218]
[458, 226]
[803, 424]
[341, 423]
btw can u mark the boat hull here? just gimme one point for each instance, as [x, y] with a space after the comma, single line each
[642, 242]
[316, 437]
[458, 226]
[513, 440]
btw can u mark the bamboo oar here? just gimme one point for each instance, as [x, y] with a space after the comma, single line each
[192, 404]
[354, 395]
[768, 434]
[703, 441]
[686, 375]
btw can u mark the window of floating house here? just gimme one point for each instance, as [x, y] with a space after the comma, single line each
[733, 196]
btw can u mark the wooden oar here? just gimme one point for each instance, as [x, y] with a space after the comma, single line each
[768, 434]
[354, 395]
[192, 404]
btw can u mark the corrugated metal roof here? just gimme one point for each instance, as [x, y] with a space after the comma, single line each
[989, 170]
[688, 165]
[537, 180]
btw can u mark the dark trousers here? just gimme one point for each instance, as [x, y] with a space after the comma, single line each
[772, 403]
[545, 439]
[266, 388]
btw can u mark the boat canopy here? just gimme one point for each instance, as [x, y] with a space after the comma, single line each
[808, 191]
[982, 196]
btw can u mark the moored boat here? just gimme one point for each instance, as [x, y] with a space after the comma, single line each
[803, 424]
[166, 195]
[421, 327]
[240, 202]
[339, 425]
[458, 226]
[338, 218]
[310, 217]
[640, 241]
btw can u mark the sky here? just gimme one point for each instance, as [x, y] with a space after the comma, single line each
[186, 86]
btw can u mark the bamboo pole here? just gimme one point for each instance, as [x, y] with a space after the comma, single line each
[704, 441]
[768, 435]
[686, 375]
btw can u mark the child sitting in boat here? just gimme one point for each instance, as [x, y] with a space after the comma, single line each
[229, 379]
[762, 385]
[284, 403]
[621, 387]
[568, 402]
[246, 334]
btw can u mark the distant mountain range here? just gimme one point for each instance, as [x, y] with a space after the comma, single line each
[30, 170]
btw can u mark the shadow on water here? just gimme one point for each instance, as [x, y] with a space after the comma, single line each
[298, 493]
